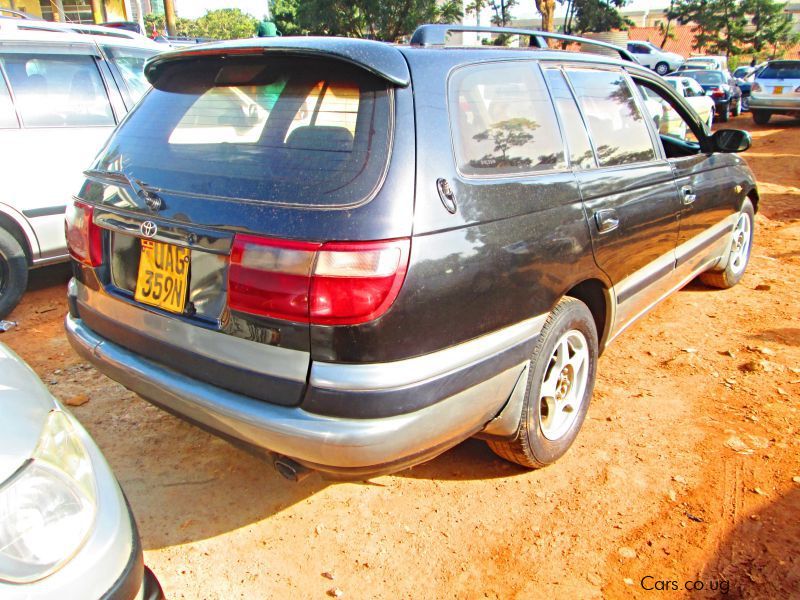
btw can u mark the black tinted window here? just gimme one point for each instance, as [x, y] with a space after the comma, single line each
[784, 70]
[58, 90]
[503, 120]
[8, 118]
[289, 131]
[617, 127]
[581, 155]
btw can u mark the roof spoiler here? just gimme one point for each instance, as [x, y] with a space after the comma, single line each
[382, 60]
[436, 35]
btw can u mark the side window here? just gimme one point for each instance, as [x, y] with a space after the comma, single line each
[581, 155]
[618, 129]
[503, 121]
[54, 90]
[669, 122]
[8, 118]
[130, 64]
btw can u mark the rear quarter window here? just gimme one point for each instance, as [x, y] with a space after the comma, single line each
[503, 121]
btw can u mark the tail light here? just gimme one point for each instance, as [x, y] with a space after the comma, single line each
[717, 92]
[336, 283]
[84, 239]
[797, 89]
[755, 88]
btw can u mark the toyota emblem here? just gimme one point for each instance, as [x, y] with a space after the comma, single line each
[148, 229]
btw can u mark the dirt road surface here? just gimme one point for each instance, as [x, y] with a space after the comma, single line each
[682, 476]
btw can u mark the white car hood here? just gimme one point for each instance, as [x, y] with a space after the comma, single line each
[24, 406]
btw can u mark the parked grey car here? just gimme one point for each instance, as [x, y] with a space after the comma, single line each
[66, 530]
[776, 91]
[357, 255]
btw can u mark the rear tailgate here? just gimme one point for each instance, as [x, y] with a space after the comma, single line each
[292, 150]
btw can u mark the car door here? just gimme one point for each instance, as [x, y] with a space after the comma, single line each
[65, 116]
[709, 197]
[630, 199]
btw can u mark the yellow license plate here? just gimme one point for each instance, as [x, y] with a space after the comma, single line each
[778, 90]
[163, 276]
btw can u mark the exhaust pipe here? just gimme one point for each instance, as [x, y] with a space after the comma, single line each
[290, 469]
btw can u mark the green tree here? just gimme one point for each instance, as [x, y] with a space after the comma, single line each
[183, 27]
[719, 26]
[226, 24]
[502, 12]
[376, 19]
[284, 15]
[594, 16]
[772, 27]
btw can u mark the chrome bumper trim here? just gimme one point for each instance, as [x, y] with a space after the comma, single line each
[230, 350]
[402, 373]
[323, 441]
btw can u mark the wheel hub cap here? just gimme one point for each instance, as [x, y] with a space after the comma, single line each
[563, 385]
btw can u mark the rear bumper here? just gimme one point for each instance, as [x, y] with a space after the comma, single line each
[341, 447]
[782, 104]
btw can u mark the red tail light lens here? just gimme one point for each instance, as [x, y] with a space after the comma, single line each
[357, 282]
[755, 88]
[717, 92]
[84, 239]
[337, 283]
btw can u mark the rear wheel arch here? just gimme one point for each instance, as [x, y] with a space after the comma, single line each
[597, 297]
[11, 226]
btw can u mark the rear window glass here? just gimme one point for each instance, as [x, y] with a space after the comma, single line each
[618, 128]
[706, 77]
[288, 131]
[786, 70]
[504, 122]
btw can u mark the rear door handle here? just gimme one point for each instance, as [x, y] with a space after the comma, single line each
[687, 197]
[607, 220]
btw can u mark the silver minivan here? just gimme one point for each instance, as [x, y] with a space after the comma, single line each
[61, 95]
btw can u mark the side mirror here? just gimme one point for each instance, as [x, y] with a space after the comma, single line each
[731, 140]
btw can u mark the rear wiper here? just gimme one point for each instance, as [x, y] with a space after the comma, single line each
[140, 188]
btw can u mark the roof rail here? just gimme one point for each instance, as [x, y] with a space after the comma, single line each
[436, 35]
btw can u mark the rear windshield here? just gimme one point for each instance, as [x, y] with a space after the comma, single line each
[289, 131]
[706, 77]
[782, 70]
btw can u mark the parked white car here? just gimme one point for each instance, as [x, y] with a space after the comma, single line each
[714, 63]
[654, 57]
[776, 91]
[65, 528]
[61, 95]
[695, 96]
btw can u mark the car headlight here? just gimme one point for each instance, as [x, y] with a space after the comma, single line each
[48, 507]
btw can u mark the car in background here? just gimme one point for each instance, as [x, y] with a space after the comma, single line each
[66, 530]
[776, 91]
[744, 77]
[722, 89]
[61, 95]
[655, 58]
[695, 96]
[716, 63]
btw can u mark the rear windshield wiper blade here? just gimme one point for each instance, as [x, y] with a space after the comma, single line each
[140, 188]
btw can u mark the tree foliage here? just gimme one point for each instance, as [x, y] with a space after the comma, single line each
[732, 27]
[224, 24]
[718, 25]
[375, 19]
[594, 16]
[772, 26]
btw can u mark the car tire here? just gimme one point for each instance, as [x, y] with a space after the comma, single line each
[737, 108]
[710, 121]
[725, 113]
[662, 68]
[560, 383]
[761, 117]
[738, 251]
[13, 272]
